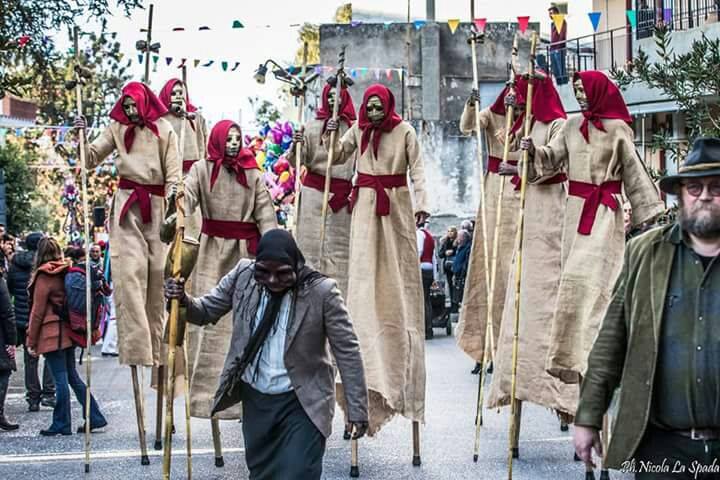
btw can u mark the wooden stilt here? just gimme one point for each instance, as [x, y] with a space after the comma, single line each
[159, 407]
[605, 437]
[589, 472]
[140, 415]
[217, 443]
[188, 438]
[516, 434]
[564, 426]
[354, 466]
[416, 444]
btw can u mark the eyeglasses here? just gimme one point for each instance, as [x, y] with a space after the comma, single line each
[696, 188]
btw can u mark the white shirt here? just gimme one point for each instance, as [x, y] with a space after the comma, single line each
[272, 377]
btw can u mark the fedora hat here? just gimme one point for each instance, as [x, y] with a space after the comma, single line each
[702, 161]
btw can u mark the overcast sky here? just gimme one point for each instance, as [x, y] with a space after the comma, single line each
[224, 94]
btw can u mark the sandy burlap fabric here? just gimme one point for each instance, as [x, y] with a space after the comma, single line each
[385, 295]
[229, 201]
[332, 257]
[137, 255]
[541, 268]
[473, 315]
[591, 263]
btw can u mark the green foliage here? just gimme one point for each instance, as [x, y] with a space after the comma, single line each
[265, 111]
[690, 79]
[22, 215]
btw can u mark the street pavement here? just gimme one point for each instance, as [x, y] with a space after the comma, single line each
[446, 438]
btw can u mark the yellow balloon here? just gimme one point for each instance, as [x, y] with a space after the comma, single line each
[284, 177]
[260, 159]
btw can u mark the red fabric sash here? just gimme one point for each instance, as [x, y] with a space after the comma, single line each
[187, 165]
[141, 196]
[339, 188]
[379, 183]
[559, 178]
[494, 164]
[594, 196]
[233, 230]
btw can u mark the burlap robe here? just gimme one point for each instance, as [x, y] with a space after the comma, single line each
[385, 295]
[332, 258]
[473, 314]
[230, 201]
[137, 255]
[591, 263]
[541, 267]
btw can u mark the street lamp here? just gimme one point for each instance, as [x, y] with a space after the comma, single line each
[298, 84]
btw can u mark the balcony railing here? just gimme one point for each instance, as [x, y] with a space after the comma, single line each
[677, 14]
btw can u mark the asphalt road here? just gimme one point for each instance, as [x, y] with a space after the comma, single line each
[446, 438]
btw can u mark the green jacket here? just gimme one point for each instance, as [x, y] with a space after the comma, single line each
[625, 351]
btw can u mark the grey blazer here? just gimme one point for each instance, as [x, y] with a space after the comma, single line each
[318, 318]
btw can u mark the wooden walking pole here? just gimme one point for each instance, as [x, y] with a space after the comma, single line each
[605, 436]
[188, 438]
[217, 443]
[489, 341]
[354, 467]
[140, 415]
[174, 315]
[518, 259]
[416, 461]
[146, 77]
[298, 146]
[88, 294]
[339, 79]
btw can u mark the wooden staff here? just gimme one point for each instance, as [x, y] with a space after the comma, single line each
[298, 146]
[339, 79]
[519, 250]
[174, 314]
[354, 467]
[416, 444]
[605, 437]
[489, 341]
[146, 77]
[88, 294]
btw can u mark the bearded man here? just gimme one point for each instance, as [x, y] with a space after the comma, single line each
[660, 339]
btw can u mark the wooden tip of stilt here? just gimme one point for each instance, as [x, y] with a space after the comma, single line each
[475, 458]
[416, 461]
[173, 430]
[219, 462]
[564, 427]
[576, 458]
[87, 468]
[516, 452]
[346, 435]
[158, 445]
[354, 472]
[604, 475]
[144, 460]
[590, 475]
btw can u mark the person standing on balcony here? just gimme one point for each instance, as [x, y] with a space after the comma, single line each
[557, 47]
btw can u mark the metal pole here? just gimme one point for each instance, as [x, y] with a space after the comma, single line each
[146, 78]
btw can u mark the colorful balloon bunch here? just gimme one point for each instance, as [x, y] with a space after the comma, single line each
[271, 147]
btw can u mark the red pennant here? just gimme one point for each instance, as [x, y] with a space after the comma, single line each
[480, 24]
[523, 23]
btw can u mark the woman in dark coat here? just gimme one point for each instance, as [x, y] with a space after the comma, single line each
[7, 350]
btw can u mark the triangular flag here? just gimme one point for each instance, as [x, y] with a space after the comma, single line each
[178, 29]
[558, 19]
[155, 58]
[224, 66]
[204, 27]
[355, 23]
[168, 60]
[140, 57]
[632, 18]
[238, 24]
[196, 62]
[353, 73]
[237, 64]
[419, 24]
[377, 74]
[388, 73]
[318, 69]
[113, 35]
[480, 24]
[668, 15]
[523, 23]
[210, 62]
[363, 71]
[595, 20]
[400, 73]
[387, 24]
[453, 24]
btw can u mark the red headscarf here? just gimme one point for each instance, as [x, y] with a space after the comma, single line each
[547, 105]
[392, 119]
[149, 110]
[520, 93]
[604, 101]
[166, 93]
[346, 110]
[216, 154]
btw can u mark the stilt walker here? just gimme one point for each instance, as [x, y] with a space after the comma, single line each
[516, 406]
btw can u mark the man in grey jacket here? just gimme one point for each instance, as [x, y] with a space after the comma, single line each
[279, 365]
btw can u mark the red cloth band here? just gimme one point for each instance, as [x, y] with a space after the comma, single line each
[187, 165]
[339, 188]
[594, 196]
[233, 230]
[379, 183]
[141, 196]
[559, 178]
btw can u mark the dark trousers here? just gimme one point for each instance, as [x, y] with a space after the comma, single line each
[62, 363]
[33, 390]
[451, 289]
[674, 457]
[281, 442]
[427, 280]
[557, 61]
[4, 383]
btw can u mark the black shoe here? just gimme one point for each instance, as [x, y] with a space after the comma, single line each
[48, 402]
[7, 426]
[81, 429]
[33, 406]
[477, 369]
[53, 433]
[104, 354]
[490, 369]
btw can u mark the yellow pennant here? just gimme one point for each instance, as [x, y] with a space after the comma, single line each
[453, 24]
[558, 19]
